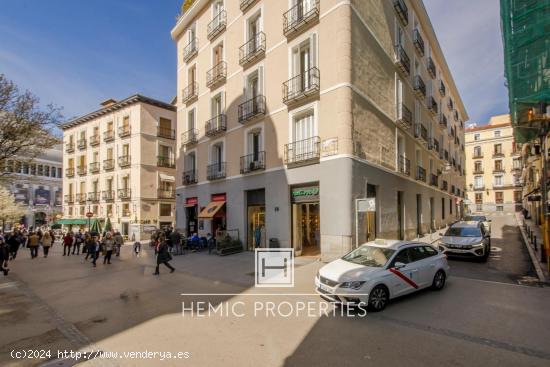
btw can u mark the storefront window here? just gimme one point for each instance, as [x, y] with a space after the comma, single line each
[306, 221]
[256, 227]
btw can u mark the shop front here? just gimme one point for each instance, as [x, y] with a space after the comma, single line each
[215, 213]
[306, 223]
[191, 213]
[255, 208]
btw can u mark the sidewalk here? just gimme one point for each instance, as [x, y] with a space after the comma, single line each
[532, 231]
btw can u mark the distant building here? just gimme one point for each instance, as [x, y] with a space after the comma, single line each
[38, 186]
[493, 167]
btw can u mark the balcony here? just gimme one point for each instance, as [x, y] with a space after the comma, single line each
[124, 194]
[81, 198]
[444, 185]
[217, 25]
[421, 132]
[450, 104]
[402, 60]
[166, 162]
[216, 171]
[404, 117]
[190, 50]
[94, 140]
[432, 106]
[431, 68]
[108, 164]
[189, 137]
[303, 151]
[93, 196]
[436, 145]
[69, 172]
[456, 115]
[301, 86]
[442, 89]
[498, 170]
[252, 108]
[252, 50]
[190, 93]
[166, 193]
[166, 133]
[253, 162]
[479, 188]
[478, 171]
[94, 167]
[402, 11]
[189, 177]
[477, 155]
[69, 147]
[404, 165]
[124, 161]
[246, 4]
[420, 174]
[216, 75]
[108, 135]
[216, 125]
[433, 180]
[124, 131]
[443, 120]
[81, 170]
[498, 154]
[69, 199]
[418, 42]
[304, 13]
[108, 195]
[419, 87]
[81, 144]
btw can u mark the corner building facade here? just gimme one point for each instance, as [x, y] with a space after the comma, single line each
[290, 111]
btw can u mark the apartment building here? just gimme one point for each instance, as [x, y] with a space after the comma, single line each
[318, 124]
[37, 185]
[119, 163]
[493, 167]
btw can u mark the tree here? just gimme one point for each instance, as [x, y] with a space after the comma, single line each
[186, 5]
[10, 210]
[25, 129]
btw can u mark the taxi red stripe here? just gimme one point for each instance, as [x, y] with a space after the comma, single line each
[404, 277]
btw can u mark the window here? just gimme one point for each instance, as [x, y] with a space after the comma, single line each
[442, 208]
[498, 165]
[109, 209]
[516, 163]
[497, 133]
[399, 97]
[82, 208]
[450, 206]
[478, 182]
[479, 198]
[304, 126]
[165, 210]
[191, 119]
[498, 181]
[403, 257]
[254, 84]
[500, 208]
[517, 196]
[479, 207]
[419, 253]
[499, 197]
[477, 151]
[59, 172]
[476, 136]
[254, 144]
[497, 149]
[478, 167]
[125, 210]
[53, 172]
[303, 59]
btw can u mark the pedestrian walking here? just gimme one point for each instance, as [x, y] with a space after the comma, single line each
[94, 250]
[78, 241]
[175, 238]
[13, 240]
[4, 255]
[34, 242]
[89, 245]
[119, 241]
[137, 248]
[163, 256]
[109, 245]
[68, 241]
[46, 243]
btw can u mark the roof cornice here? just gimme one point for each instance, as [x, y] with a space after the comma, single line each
[185, 19]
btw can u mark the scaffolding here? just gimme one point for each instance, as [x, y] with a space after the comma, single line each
[526, 34]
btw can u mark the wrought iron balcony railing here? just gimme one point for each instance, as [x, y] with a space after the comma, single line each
[216, 75]
[433, 180]
[124, 160]
[190, 137]
[189, 177]
[402, 60]
[216, 125]
[94, 140]
[81, 197]
[124, 193]
[124, 130]
[246, 4]
[402, 11]
[69, 172]
[69, 199]
[305, 12]
[253, 162]
[419, 86]
[442, 89]
[108, 195]
[166, 132]
[420, 174]
[301, 86]
[217, 25]
[251, 108]
[404, 165]
[404, 116]
[81, 170]
[303, 151]
[108, 135]
[94, 167]
[93, 196]
[432, 105]
[418, 42]
[431, 68]
[421, 132]
[442, 120]
[450, 103]
[166, 193]
[191, 49]
[108, 164]
[216, 171]
[69, 147]
[190, 93]
[166, 162]
[81, 143]
[253, 49]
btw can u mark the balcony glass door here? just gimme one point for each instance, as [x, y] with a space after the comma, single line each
[303, 132]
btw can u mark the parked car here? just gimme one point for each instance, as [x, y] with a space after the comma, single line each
[466, 239]
[480, 218]
[381, 270]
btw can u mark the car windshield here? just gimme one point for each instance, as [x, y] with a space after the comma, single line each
[476, 218]
[369, 256]
[463, 232]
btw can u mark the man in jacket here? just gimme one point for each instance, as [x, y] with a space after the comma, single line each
[175, 238]
[67, 243]
[34, 241]
[119, 241]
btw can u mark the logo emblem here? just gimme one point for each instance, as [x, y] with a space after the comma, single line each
[274, 267]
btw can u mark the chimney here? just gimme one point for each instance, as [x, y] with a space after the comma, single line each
[108, 102]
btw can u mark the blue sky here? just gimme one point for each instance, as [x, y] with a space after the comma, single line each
[76, 54]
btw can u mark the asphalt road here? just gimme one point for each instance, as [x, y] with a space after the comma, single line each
[486, 316]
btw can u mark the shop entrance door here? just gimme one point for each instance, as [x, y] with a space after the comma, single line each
[256, 227]
[307, 226]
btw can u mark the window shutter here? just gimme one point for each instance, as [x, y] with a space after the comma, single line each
[313, 41]
[261, 80]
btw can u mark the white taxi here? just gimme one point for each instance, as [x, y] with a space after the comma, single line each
[381, 270]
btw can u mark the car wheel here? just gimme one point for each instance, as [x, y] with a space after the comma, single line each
[378, 298]
[439, 280]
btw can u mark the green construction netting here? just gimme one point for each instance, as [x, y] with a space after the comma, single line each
[526, 34]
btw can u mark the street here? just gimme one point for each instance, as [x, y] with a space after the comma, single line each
[491, 314]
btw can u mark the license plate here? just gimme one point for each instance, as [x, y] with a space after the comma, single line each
[459, 251]
[324, 287]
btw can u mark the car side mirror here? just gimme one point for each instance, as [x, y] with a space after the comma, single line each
[399, 265]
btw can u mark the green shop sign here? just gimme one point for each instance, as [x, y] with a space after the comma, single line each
[301, 194]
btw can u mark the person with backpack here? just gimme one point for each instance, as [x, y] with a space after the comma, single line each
[68, 241]
[78, 240]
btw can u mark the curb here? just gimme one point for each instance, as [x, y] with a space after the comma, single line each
[532, 254]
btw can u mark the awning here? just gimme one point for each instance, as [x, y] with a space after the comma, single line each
[72, 221]
[532, 192]
[165, 177]
[211, 209]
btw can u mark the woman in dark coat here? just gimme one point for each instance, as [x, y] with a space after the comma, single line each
[163, 256]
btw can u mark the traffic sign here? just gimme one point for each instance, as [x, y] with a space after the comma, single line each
[89, 214]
